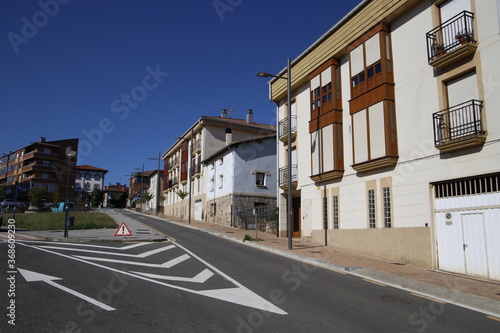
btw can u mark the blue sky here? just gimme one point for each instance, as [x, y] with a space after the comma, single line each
[126, 76]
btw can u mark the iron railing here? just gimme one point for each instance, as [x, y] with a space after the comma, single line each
[451, 34]
[458, 122]
[283, 127]
[283, 179]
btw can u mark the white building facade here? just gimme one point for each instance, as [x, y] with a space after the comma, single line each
[185, 193]
[153, 206]
[397, 139]
[241, 181]
[89, 178]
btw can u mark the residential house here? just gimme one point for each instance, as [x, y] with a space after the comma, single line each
[185, 197]
[241, 183]
[155, 190]
[43, 164]
[115, 195]
[397, 140]
[89, 178]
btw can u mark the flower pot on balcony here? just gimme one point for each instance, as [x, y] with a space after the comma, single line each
[464, 37]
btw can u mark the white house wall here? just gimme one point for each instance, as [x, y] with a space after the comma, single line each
[256, 156]
[419, 92]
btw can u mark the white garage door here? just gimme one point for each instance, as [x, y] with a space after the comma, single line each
[467, 233]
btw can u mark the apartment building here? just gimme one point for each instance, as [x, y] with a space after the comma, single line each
[186, 196]
[42, 164]
[138, 185]
[241, 183]
[89, 178]
[396, 148]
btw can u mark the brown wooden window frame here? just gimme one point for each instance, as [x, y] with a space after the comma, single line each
[377, 86]
[326, 110]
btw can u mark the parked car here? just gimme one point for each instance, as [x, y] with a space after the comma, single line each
[8, 202]
[61, 207]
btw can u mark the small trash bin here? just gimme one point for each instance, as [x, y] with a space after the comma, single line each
[70, 221]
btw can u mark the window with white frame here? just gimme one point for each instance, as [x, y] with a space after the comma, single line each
[371, 209]
[335, 212]
[386, 191]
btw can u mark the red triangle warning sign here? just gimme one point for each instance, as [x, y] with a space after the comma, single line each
[123, 230]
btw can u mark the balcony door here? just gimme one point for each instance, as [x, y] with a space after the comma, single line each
[463, 116]
[450, 8]
[462, 89]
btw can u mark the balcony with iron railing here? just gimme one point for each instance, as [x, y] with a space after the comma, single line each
[283, 129]
[451, 41]
[459, 127]
[196, 146]
[196, 170]
[283, 176]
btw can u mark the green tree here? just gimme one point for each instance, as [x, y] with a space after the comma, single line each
[36, 196]
[2, 191]
[182, 194]
[96, 197]
[120, 200]
[145, 198]
[57, 197]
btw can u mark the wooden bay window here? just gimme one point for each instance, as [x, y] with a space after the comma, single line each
[325, 126]
[372, 105]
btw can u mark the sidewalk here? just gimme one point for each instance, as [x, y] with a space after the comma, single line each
[476, 294]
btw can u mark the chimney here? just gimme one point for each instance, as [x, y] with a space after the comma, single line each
[249, 116]
[223, 113]
[229, 136]
[42, 139]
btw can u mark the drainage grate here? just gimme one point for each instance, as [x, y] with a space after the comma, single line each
[395, 299]
[315, 251]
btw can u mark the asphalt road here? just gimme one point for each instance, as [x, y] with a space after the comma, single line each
[202, 283]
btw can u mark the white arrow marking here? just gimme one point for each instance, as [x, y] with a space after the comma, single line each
[242, 296]
[33, 276]
[167, 264]
[140, 255]
[200, 278]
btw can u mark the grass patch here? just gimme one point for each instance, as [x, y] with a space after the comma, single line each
[55, 221]
[248, 238]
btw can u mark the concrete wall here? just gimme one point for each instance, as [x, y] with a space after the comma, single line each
[400, 245]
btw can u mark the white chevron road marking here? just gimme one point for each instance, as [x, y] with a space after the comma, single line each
[239, 295]
[167, 264]
[200, 278]
[140, 255]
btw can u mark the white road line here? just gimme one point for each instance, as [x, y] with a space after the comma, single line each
[128, 247]
[199, 278]
[167, 264]
[141, 255]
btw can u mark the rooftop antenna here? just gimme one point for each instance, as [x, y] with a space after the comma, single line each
[231, 111]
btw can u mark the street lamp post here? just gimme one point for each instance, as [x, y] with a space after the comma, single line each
[70, 152]
[157, 183]
[289, 140]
